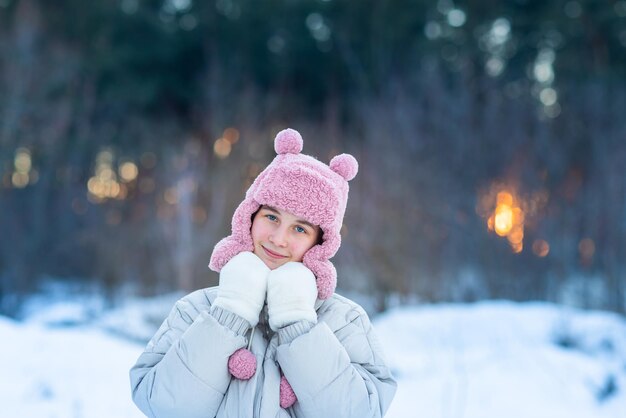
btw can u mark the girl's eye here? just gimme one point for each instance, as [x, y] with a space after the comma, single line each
[271, 217]
[300, 229]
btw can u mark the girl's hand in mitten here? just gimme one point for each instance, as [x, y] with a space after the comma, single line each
[291, 295]
[242, 287]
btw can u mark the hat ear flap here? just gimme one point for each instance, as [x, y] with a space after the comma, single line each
[240, 240]
[242, 220]
[316, 259]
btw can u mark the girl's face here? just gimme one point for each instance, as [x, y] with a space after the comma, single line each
[280, 237]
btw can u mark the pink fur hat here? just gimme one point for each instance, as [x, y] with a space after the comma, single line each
[305, 187]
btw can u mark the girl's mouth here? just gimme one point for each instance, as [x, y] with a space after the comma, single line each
[273, 254]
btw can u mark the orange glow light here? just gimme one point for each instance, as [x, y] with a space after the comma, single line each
[222, 148]
[516, 236]
[505, 198]
[504, 214]
[503, 221]
[231, 135]
[541, 248]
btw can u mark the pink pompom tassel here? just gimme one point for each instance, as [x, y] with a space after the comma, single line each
[242, 364]
[287, 395]
[288, 141]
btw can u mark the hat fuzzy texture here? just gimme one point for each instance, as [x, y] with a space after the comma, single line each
[305, 187]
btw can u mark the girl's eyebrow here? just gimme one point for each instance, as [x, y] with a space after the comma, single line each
[277, 212]
[271, 209]
[309, 224]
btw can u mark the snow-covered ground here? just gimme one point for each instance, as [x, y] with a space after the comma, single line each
[485, 360]
[504, 359]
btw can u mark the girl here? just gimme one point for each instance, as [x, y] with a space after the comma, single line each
[273, 339]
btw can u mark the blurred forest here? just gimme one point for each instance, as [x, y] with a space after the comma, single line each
[491, 138]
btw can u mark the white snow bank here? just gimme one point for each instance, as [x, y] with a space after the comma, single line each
[64, 373]
[503, 359]
[487, 360]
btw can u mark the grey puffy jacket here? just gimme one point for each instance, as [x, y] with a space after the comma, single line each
[334, 367]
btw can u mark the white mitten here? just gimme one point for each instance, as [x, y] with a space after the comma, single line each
[291, 295]
[242, 288]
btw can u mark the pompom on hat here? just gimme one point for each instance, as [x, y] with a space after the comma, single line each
[305, 187]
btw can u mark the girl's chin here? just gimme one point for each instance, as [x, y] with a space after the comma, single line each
[273, 264]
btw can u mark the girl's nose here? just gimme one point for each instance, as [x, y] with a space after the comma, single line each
[279, 237]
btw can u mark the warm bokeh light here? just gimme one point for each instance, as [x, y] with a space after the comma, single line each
[113, 189]
[504, 198]
[128, 171]
[23, 174]
[95, 186]
[105, 173]
[171, 196]
[19, 180]
[23, 160]
[231, 135]
[222, 148]
[516, 236]
[104, 185]
[503, 220]
[541, 248]
[505, 216]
